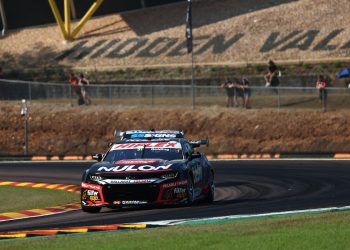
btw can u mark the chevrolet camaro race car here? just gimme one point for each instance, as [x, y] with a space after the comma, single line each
[148, 168]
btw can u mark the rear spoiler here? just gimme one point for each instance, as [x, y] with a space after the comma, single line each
[198, 143]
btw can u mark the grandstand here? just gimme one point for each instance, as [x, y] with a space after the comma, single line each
[226, 32]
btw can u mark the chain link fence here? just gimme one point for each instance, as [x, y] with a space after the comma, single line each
[174, 95]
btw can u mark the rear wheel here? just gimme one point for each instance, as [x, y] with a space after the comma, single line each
[89, 209]
[190, 190]
[211, 190]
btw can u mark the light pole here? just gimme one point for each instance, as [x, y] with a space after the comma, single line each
[25, 113]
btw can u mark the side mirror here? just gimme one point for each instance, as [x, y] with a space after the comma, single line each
[97, 157]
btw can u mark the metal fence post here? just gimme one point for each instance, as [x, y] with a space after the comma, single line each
[70, 95]
[152, 95]
[30, 92]
[110, 94]
[25, 113]
[278, 98]
[323, 101]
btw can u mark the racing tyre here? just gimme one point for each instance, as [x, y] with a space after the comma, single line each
[211, 191]
[91, 209]
[190, 190]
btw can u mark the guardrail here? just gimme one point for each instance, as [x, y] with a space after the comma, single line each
[282, 97]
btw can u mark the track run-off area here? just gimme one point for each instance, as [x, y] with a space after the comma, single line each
[243, 187]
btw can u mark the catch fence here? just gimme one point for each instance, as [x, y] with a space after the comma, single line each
[159, 95]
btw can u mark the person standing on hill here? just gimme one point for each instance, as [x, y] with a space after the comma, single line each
[246, 92]
[230, 91]
[271, 78]
[83, 83]
[321, 85]
[74, 81]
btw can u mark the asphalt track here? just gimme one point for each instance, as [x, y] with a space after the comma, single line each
[243, 187]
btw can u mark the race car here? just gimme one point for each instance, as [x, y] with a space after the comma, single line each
[153, 171]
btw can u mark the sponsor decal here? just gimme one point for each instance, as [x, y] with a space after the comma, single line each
[92, 192]
[116, 202]
[91, 186]
[136, 162]
[179, 190]
[134, 202]
[160, 149]
[95, 177]
[174, 184]
[151, 132]
[127, 168]
[170, 144]
[94, 198]
[93, 204]
[159, 135]
[180, 193]
[122, 181]
[90, 195]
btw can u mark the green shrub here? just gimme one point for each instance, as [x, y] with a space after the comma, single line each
[259, 68]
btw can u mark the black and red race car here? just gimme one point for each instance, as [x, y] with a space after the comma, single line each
[153, 171]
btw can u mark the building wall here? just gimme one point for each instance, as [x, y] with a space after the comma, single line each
[26, 13]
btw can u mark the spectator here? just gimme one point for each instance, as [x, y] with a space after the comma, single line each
[347, 83]
[74, 81]
[246, 92]
[238, 92]
[271, 78]
[321, 85]
[83, 83]
[1, 74]
[230, 91]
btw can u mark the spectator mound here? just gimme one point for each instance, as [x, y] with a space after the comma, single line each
[226, 32]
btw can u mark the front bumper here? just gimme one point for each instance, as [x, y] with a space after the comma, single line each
[118, 195]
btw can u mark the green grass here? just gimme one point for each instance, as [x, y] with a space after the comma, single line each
[23, 198]
[321, 231]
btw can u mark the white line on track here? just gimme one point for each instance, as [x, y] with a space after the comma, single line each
[248, 216]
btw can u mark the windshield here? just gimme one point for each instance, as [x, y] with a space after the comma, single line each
[155, 150]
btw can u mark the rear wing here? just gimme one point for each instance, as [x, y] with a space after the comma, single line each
[149, 134]
[198, 143]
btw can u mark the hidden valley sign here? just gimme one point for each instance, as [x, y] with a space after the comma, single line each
[143, 47]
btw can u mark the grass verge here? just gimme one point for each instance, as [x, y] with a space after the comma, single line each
[321, 231]
[24, 198]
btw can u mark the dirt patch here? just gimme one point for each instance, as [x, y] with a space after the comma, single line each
[88, 130]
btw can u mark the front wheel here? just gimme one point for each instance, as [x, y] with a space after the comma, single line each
[89, 209]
